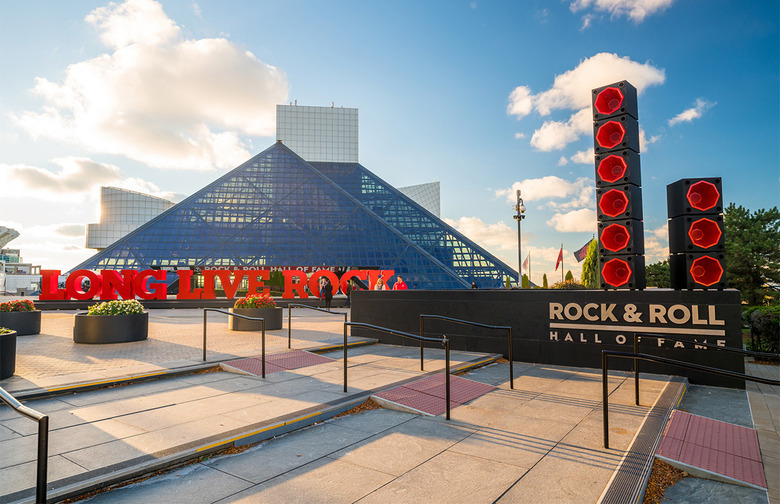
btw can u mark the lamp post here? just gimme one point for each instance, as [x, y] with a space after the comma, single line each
[519, 216]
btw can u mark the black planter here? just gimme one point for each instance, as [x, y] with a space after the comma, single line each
[96, 329]
[272, 316]
[23, 323]
[7, 355]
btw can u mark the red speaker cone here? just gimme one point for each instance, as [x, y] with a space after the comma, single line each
[608, 101]
[706, 270]
[610, 134]
[703, 195]
[615, 237]
[613, 203]
[616, 272]
[705, 233]
[612, 168]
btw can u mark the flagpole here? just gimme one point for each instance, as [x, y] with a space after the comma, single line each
[562, 265]
[529, 268]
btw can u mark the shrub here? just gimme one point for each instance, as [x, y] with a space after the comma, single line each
[17, 306]
[117, 307]
[568, 285]
[255, 301]
[4, 330]
[764, 327]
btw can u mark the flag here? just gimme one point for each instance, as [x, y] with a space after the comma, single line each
[560, 259]
[525, 263]
[581, 253]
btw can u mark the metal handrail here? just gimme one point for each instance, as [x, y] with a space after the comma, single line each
[262, 325]
[444, 341]
[296, 305]
[475, 324]
[43, 441]
[633, 355]
[682, 340]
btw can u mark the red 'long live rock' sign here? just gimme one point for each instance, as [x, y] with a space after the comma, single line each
[151, 284]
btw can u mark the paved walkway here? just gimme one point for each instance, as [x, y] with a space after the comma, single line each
[541, 442]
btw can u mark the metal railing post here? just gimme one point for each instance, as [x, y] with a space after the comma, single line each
[262, 345]
[605, 397]
[43, 460]
[204, 335]
[423, 316]
[422, 335]
[345, 356]
[289, 326]
[447, 373]
[511, 360]
[636, 370]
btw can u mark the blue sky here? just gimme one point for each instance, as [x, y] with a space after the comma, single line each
[484, 97]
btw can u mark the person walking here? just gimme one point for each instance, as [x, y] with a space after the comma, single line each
[380, 284]
[328, 293]
[399, 284]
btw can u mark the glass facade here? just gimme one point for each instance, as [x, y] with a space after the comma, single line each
[278, 210]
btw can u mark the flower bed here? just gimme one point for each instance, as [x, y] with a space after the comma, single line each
[259, 306]
[7, 353]
[118, 321]
[20, 316]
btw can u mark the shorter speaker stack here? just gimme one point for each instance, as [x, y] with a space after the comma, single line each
[697, 256]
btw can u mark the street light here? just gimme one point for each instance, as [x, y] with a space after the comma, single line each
[520, 209]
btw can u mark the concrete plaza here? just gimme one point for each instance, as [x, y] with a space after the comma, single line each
[539, 442]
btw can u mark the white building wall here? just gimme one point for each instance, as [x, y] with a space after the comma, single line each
[325, 134]
[122, 211]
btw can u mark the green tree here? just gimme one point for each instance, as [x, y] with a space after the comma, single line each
[508, 283]
[590, 266]
[569, 277]
[658, 275]
[545, 285]
[752, 252]
[526, 282]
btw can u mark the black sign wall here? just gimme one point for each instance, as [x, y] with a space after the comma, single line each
[571, 328]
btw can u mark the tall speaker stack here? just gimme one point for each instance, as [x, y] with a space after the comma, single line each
[696, 239]
[618, 186]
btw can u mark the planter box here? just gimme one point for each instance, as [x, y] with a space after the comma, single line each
[7, 355]
[23, 323]
[96, 329]
[272, 316]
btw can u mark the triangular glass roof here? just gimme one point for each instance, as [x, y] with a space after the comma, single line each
[278, 210]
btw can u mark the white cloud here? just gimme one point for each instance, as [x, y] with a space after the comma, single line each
[78, 178]
[657, 245]
[133, 22]
[549, 187]
[585, 197]
[644, 141]
[159, 99]
[520, 102]
[494, 237]
[576, 221]
[555, 135]
[636, 10]
[571, 91]
[587, 156]
[563, 161]
[519, 135]
[699, 108]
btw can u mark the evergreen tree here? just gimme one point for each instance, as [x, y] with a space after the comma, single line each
[545, 285]
[752, 252]
[526, 282]
[569, 277]
[508, 283]
[590, 266]
[658, 275]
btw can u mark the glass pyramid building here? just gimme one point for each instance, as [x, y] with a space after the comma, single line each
[279, 210]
